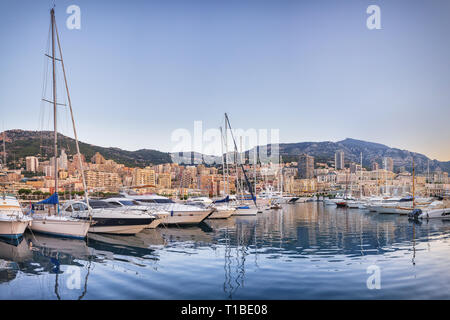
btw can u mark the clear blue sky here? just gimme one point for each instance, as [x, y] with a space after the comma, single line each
[140, 69]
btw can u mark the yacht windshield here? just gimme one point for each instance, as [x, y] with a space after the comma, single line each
[156, 201]
[98, 204]
[129, 202]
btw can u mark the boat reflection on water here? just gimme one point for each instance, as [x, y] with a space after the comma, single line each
[15, 250]
[13, 254]
[110, 247]
[233, 259]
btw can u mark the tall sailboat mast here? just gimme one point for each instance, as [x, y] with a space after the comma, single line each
[226, 156]
[223, 161]
[55, 111]
[4, 149]
[254, 169]
[414, 184]
[361, 178]
[282, 175]
[80, 162]
[242, 167]
[242, 163]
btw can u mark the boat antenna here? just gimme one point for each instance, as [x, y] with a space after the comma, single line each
[80, 162]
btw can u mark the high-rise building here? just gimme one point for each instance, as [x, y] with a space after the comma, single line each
[32, 164]
[305, 167]
[164, 180]
[375, 166]
[144, 177]
[339, 163]
[49, 171]
[186, 179]
[354, 168]
[98, 159]
[107, 181]
[62, 160]
[389, 164]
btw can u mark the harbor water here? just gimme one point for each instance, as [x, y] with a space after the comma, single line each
[303, 251]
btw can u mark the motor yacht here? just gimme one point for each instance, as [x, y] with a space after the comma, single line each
[106, 217]
[180, 214]
[438, 213]
[130, 204]
[13, 222]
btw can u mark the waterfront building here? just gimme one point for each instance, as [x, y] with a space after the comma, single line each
[98, 159]
[354, 168]
[62, 160]
[339, 162]
[102, 181]
[164, 180]
[388, 164]
[305, 167]
[375, 166]
[144, 176]
[49, 171]
[32, 164]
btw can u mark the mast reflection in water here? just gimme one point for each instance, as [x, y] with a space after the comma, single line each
[304, 251]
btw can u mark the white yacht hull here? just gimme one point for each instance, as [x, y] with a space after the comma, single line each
[384, 210]
[61, 228]
[355, 205]
[155, 223]
[246, 212]
[185, 217]
[329, 202]
[221, 214]
[12, 229]
[436, 214]
[124, 230]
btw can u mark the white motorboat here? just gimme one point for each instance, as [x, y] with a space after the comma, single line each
[275, 206]
[329, 202]
[179, 214]
[356, 204]
[222, 212]
[205, 201]
[13, 222]
[439, 213]
[377, 204]
[107, 219]
[222, 208]
[302, 200]
[246, 210]
[130, 204]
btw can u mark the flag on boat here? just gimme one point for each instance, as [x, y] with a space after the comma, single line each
[53, 199]
[227, 199]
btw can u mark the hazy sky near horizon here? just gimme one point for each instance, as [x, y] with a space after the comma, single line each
[138, 70]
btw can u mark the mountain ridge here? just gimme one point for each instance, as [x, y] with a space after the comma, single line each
[22, 143]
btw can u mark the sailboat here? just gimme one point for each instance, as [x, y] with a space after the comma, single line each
[222, 208]
[59, 224]
[242, 209]
[358, 204]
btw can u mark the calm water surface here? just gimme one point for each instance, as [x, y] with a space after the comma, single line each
[304, 251]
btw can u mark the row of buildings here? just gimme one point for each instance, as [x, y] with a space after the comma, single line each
[304, 176]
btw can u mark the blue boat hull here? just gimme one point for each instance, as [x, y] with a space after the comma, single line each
[11, 236]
